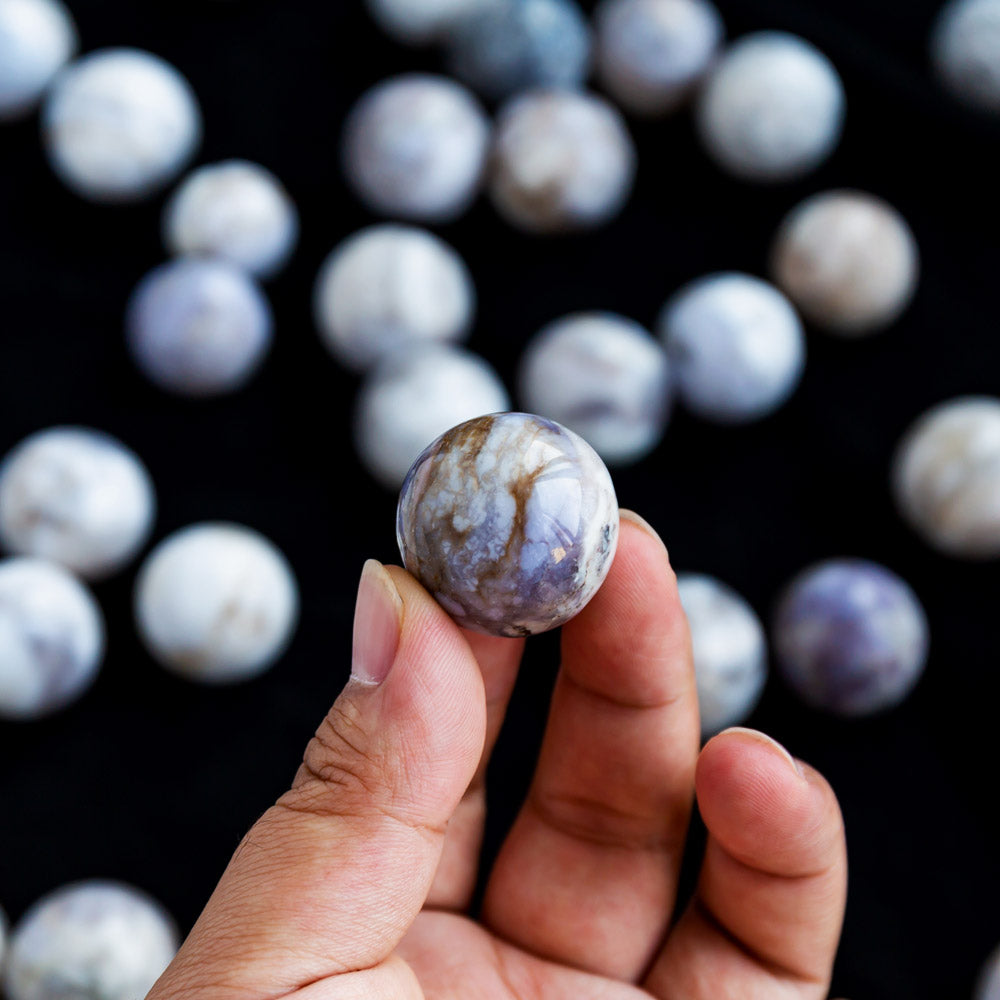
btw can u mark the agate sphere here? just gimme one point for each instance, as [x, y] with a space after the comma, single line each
[988, 984]
[417, 22]
[37, 38]
[965, 47]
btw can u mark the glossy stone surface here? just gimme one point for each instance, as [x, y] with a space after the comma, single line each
[730, 651]
[603, 376]
[51, 638]
[78, 497]
[561, 161]
[772, 109]
[37, 38]
[390, 286]
[415, 147]
[736, 346]
[417, 22]
[988, 984]
[199, 327]
[651, 54]
[94, 940]
[946, 477]
[510, 521]
[412, 397]
[119, 124]
[216, 603]
[965, 46]
[850, 637]
[848, 260]
[512, 45]
[235, 210]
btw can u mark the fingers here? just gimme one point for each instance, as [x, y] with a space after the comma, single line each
[588, 874]
[767, 915]
[331, 877]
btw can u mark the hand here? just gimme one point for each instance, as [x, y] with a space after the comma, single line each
[355, 884]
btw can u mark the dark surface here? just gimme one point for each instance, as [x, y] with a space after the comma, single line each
[153, 780]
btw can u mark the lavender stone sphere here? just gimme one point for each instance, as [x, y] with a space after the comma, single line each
[602, 376]
[119, 124]
[652, 53]
[772, 109]
[562, 161]
[737, 349]
[51, 638]
[988, 984]
[37, 38]
[417, 22]
[850, 637]
[946, 477]
[512, 45]
[414, 396]
[387, 287]
[510, 521]
[199, 327]
[730, 651]
[965, 46]
[78, 497]
[848, 260]
[94, 940]
[415, 147]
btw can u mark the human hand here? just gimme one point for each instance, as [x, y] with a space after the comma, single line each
[356, 883]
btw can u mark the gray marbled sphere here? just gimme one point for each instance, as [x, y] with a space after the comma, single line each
[418, 22]
[95, 940]
[510, 521]
[603, 376]
[965, 46]
[850, 637]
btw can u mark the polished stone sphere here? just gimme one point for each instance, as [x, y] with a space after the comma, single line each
[37, 38]
[94, 940]
[736, 346]
[510, 521]
[413, 396]
[603, 376]
[51, 638]
[387, 287]
[988, 984]
[418, 22]
[946, 477]
[651, 54]
[730, 651]
[235, 210]
[561, 161]
[772, 109]
[216, 603]
[415, 147]
[965, 46]
[3, 937]
[78, 497]
[119, 124]
[848, 260]
[850, 637]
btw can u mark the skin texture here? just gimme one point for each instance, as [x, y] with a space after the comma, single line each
[357, 883]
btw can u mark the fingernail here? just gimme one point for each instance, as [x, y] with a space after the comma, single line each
[378, 618]
[633, 518]
[765, 740]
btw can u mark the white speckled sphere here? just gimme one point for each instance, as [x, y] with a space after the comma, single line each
[78, 497]
[602, 376]
[946, 477]
[37, 38]
[413, 396]
[652, 53]
[235, 210]
[216, 603]
[51, 638]
[561, 161]
[730, 651]
[988, 984]
[965, 46]
[848, 260]
[417, 22]
[736, 346]
[94, 940]
[389, 286]
[119, 124]
[199, 327]
[772, 109]
[415, 147]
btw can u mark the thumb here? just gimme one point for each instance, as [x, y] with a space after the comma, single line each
[331, 877]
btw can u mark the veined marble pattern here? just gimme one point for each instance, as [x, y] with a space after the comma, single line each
[965, 45]
[510, 521]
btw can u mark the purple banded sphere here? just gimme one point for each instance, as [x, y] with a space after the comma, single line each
[510, 521]
[851, 637]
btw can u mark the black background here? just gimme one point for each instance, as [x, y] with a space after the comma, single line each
[153, 780]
